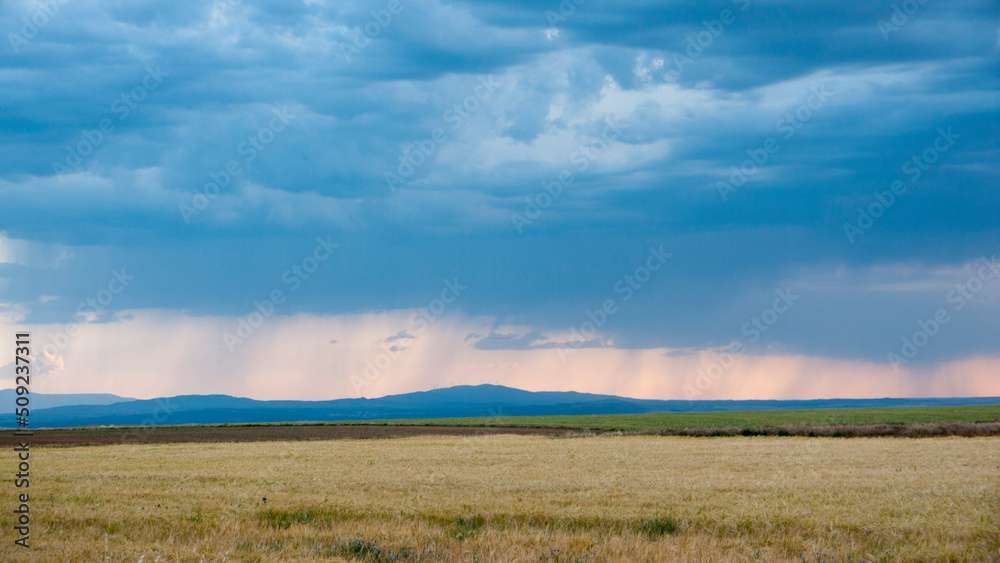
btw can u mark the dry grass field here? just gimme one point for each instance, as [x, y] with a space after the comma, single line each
[518, 498]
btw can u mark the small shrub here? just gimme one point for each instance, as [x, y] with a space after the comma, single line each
[362, 549]
[467, 526]
[371, 552]
[283, 519]
[558, 556]
[657, 526]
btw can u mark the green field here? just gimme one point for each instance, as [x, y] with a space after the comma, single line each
[739, 419]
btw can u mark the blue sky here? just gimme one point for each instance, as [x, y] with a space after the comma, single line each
[535, 153]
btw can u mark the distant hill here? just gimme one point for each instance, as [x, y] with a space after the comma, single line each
[46, 401]
[459, 401]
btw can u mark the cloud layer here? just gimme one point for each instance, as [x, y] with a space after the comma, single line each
[533, 153]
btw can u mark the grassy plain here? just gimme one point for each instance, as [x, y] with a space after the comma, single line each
[518, 498]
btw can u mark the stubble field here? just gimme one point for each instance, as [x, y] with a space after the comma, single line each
[519, 498]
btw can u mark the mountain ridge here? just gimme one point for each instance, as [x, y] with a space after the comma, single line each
[50, 400]
[449, 402]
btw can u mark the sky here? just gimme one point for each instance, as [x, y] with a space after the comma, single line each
[737, 199]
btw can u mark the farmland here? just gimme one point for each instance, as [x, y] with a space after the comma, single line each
[742, 419]
[519, 498]
[905, 421]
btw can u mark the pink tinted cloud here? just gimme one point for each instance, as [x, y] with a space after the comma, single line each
[153, 353]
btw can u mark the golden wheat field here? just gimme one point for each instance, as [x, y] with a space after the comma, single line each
[519, 498]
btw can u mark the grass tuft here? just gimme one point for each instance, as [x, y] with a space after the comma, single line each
[657, 526]
[283, 519]
[467, 526]
[371, 552]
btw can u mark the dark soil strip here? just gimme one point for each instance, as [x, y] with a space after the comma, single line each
[96, 436]
[92, 436]
[915, 430]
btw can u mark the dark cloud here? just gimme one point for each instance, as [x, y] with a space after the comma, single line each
[401, 335]
[225, 73]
